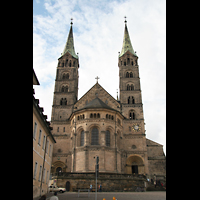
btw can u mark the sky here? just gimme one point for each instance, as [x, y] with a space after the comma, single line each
[98, 30]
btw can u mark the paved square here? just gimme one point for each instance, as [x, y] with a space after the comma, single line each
[160, 195]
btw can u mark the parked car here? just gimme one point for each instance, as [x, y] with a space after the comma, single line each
[54, 188]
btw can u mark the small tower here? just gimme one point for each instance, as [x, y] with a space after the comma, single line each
[66, 83]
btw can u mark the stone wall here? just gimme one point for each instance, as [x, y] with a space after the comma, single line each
[109, 182]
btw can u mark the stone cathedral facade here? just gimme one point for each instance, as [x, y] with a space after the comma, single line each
[99, 124]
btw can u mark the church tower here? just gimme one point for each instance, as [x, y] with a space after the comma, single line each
[130, 95]
[66, 83]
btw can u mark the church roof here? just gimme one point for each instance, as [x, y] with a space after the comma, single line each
[69, 46]
[97, 103]
[127, 46]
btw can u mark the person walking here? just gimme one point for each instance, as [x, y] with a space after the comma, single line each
[54, 197]
[90, 187]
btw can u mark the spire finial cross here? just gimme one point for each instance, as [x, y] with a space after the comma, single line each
[125, 19]
[97, 78]
[71, 21]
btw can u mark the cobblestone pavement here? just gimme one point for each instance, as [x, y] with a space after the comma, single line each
[157, 195]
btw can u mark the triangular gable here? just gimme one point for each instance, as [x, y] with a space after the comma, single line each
[97, 91]
[152, 143]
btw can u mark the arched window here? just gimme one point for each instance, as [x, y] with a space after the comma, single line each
[131, 74]
[107, 138]
[127, 75]
[91, 115]
[70, 63]
[63, 76]
[83, 116]
[94, 115]
[106, 116]
[133, 100]
[132, 87]
[95, 136]
[132, 63]
[65, 101]
[82, 138]
[58, 169]
[128, 100]
[131, 115]
[63, 89]
[128, 88]
[61, 101]
[66, 88]
[66, 62]
[98, 115]
[128, 61]
[124, 63]
[67, 76]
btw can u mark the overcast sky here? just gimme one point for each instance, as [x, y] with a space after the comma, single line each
[98, 28]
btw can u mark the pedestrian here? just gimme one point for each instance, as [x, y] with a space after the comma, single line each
[90, 187]
[43, 197]
[155, 183]
[54, 197]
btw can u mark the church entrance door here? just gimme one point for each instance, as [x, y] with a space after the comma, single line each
[67, 186]
[134, 169]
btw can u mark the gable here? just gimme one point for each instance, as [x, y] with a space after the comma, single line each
[97, 91]
[152, 143]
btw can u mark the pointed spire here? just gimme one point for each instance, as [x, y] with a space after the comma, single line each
[127, 46]
[69, 46]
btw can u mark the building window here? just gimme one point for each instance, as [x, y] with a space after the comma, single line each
[43, 142]
[40, 173]
[95, 136]
[107, 138]
[47, 147]
[132, 87]
[131, 115]
[131, 75]
[128, 87]
[43, 175]
[91, 115]
[35, 170]
[50, 151]
[82, 138]
[39, 140]
[35, 130]
[47, 177]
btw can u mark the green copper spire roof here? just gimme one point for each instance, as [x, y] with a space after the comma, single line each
[69, 46]
[127, 46]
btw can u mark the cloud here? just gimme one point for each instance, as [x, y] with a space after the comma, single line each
[98, 35]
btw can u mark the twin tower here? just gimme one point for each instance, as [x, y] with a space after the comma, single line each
[97, 124]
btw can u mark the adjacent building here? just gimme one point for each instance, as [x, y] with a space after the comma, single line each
[43, 142]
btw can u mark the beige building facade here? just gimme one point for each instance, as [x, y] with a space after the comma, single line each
[43, 142]
[98, 124]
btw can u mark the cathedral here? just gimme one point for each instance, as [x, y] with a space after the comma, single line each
[97, 124]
